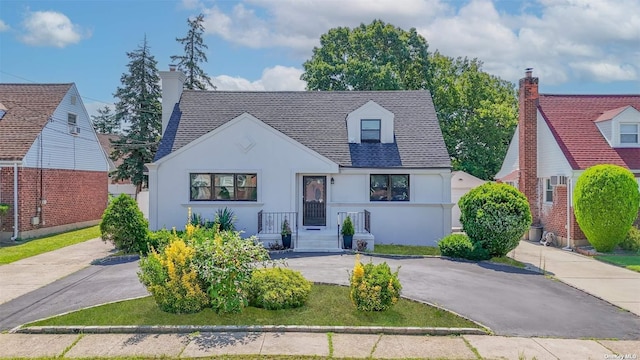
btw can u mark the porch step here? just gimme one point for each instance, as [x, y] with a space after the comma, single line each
[317, 242]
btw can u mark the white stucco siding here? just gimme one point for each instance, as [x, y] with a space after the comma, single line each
[244, 145]
[57, 148]
[551, 159]
[510, 162]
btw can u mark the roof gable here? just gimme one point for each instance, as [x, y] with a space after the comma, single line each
[29, 107]
[572, 121]
[316, 120]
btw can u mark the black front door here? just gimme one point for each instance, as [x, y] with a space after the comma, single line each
[314, 201]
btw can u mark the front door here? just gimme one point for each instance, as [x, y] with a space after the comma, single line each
[314, 201]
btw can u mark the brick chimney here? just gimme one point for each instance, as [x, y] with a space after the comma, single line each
[172, 85]
[528, 141]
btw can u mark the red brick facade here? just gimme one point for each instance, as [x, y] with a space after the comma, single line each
[553, 216]
[528, 146]
[70, 196]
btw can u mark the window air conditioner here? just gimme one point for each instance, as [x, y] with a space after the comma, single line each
[558, 180]
[74, 130]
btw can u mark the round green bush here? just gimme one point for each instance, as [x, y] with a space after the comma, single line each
[495, 216]
[278, 288]
[460, 246]
[374, 287]
[632, 241]
[125, 226]
[605, 202]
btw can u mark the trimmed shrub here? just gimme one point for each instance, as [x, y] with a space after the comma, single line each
[278, 288]
[158, 240]
[460, 246]
[495, 216]
[171, 279]
[125, 226]
[374, 287]
[605, 202]
[632, 241]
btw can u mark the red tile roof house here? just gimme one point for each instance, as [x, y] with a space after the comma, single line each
[557, 138]
[312, 157]
[53, 172]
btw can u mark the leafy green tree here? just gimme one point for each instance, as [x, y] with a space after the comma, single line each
[138, 106]
[194, 54]
[477, 111]
[377, 56]
[606, 201]
[105, 122]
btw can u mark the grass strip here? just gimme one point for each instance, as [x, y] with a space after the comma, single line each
[406, 250]
[631, 262]
[22, 250]
[328, 305]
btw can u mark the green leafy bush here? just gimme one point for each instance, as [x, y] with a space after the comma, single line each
[125, 226]
[278, 288]
[225, 261]
[460, 246]
[632, 241]
[605, 202]
[347, 227]
[4, 209]
[495, 216]
[374, 287]
[158, 240]
[225, 218]
[171, 279]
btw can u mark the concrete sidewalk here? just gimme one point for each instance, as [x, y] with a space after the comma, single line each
[310, 344]
[611, 283]
[26, 275]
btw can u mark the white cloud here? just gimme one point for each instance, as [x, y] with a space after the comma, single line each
[277, 78]
[191, 4]
[51, 28]
[594, 40]
[3, 26]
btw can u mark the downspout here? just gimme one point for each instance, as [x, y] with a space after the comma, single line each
[569, 196]
[15, 202]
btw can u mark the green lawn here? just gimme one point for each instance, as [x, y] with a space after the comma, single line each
[328, 305]
[631, 262]
[22, 250]
[406, 250]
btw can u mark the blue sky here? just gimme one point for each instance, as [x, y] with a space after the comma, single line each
[574, 46]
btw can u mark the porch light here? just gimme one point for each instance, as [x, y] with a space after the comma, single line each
[332, 181]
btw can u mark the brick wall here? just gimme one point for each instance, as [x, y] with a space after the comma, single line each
[71, 196]
[527, 146]
[6, 196]
[553, 217]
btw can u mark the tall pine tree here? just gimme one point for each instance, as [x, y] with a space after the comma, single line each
[105, 122]
[194, 54]
[139, 107]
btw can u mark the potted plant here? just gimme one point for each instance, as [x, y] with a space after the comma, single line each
[286, 234]
[347, 232]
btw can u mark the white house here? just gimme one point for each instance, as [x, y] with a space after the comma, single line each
[461, 183]
[557, 138]
[310, 157]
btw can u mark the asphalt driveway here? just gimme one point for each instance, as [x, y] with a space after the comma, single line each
[510, 301]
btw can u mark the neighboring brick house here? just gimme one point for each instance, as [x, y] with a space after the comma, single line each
[557, 138]
[53, 172]
[116, 187]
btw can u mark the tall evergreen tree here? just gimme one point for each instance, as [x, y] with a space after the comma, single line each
[139, 107]
[194, 54]
[105, 122]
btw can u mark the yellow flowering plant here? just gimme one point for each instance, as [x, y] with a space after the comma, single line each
[374, 287]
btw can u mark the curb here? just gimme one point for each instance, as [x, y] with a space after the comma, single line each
[187, 329]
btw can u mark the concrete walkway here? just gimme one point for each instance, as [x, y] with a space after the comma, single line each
[611, 283]
[311, 344]
[26, 275]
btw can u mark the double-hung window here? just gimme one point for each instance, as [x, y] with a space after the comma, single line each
[223, 187]
[628, 133]
[389, 187]
[548, 191]
[370, 130]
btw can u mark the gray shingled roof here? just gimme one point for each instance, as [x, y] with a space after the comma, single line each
[317, 119]
[29, 107]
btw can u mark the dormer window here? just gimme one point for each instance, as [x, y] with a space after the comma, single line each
[628, 133]
[370, 130]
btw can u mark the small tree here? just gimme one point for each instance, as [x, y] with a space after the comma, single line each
[125, 226]
[605, 202]
[105, 122]
[495, 216]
